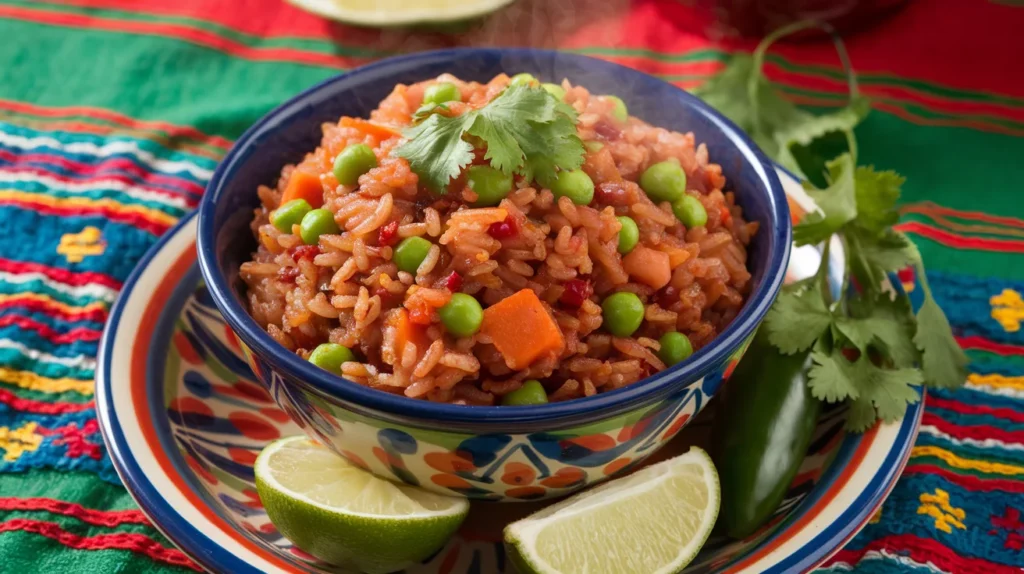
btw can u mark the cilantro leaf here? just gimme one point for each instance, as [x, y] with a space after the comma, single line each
[798, 317]
[877, 194]
[885, 394]
[861, 416]
[896, 333]
[808, 130]
[436, 151]
[833, 377]
[837, 204]
[891, 251]
[942, 359]
[526, 130]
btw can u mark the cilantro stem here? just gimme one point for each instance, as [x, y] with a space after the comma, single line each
[753, 83]
[821, 275]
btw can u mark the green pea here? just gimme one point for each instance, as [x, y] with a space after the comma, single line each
[523, 79]
[554, 90]
[575, 184]
[664, 181]
[675, 347]
[289, 214]
[330, 356]
[622, 312]
[353, 162]
[619, 111]
[441, 92]
[593, 146]
[462, 315]
[531, 393]
[316, 223]
[629, 235]
[410, 253]
[690, 211]
[490, 185]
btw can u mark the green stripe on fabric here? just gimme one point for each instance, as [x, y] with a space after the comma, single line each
[190, 85]
[26, 552]
[82, 487]
[994, 359]
[39, 287]
[307, 44]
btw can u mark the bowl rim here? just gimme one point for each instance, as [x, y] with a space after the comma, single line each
[603, 405]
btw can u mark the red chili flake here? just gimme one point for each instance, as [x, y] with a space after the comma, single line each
[387, 298]
[726, 218]
[607, 132]
[667, 297]
[305, 252]
[388, 234]
[576, 292]
[453, 282]
[288, 274]
[504, 229]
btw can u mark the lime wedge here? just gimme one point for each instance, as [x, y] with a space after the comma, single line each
[652, 521]
[388, 13]
[345, 515]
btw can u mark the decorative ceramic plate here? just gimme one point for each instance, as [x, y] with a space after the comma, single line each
[184, 418]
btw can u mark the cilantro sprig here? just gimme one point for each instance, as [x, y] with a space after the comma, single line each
[868, 347]
[525, 130]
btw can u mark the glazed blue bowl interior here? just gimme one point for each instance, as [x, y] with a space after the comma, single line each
[287, 133]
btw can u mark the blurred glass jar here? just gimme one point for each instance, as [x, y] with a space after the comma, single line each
[755, 18]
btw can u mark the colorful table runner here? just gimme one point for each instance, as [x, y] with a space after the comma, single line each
[114, 113]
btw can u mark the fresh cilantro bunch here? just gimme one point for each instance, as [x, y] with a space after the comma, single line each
[867, 347]
[525, 130]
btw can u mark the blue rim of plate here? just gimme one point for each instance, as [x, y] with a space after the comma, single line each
[558, 414]
[194, 542]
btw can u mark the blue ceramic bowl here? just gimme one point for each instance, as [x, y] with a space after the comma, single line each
[499, 453]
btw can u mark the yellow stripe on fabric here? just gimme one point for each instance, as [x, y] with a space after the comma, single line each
[33, 382]
[49, 201]
[966, 463]
[996, 380]
[54, 304]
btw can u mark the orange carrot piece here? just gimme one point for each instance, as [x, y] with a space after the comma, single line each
[304, 185]
[367, 127]
[406, 332]
[796, 211]
[648, 266]
[522, 329]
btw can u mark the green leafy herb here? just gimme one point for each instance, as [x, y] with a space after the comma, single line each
[525, 130]
[868, 348]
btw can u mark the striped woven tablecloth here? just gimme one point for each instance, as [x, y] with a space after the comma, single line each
[114, 113]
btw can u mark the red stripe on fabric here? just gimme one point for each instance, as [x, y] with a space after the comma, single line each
[930, 208]
[983, 344]
[35, 305]
[959, 241]
[76, 278]
[133, 219]
[106, 169]
[976, 432]
[41, 407]
[968, 481]
[45, 331]
[969, 409]
[924, 550]
[114, 117]
[177, 32]
[108, 518]
[134, 542]
[807, 80]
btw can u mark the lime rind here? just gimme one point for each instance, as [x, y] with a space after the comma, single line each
[344, 515]
[390, 17]
[648, 513]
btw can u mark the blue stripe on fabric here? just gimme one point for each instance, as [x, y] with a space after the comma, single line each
[112, 194]
[14, 359]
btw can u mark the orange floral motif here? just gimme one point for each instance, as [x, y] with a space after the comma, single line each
[565, 477]
[526, 492]
[676, 427]
[355, 459]
[517, 473]
[616, 465]
[594, 442]
[450, 481]
[386, 458]
[452, 462]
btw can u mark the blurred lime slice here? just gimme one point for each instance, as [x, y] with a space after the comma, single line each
[652, 521]
[400, 12]
[345, 515]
